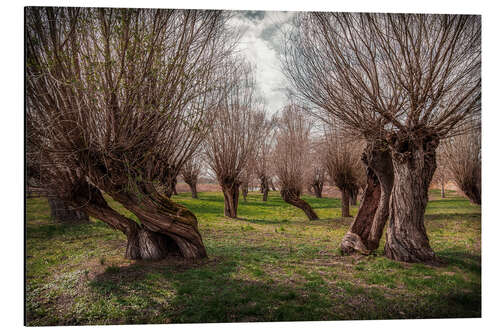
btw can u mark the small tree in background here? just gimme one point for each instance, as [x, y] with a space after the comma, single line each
[316, 172]
[343, 163]
[262, 164]
[232, 141]
[191, 171]
[291, 158]
[442, 174]
[462, 155]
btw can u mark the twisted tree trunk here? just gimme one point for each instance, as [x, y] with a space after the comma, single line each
[292, 197]
[62, 212]
[166, 228]
[366, 230]
[231, 193]
[414, 165]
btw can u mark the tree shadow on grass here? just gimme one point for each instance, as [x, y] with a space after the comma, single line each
[452, 216]
[462, 260]
[205, 292]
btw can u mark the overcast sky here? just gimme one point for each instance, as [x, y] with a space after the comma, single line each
[260, 44]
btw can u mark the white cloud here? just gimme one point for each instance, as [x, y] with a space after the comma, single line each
[259, 43]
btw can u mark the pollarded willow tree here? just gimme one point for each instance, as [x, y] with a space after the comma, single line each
[117, 101]
[191, 171]
[442, 174]
[462, 157]
[343, 163]
[316, 173]
[403, 83]
[232, 141]
[262, 163]
[291, 157]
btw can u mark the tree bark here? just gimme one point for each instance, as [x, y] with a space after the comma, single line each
[414, 165]
[292, 197]
[194, 191]
[366, 230]
[167, 228]
[318, 189]
[264, 187]
[62, 212]
[442, 191]
[170, 187]
[231, 193]
[353, 196]
[345, 202]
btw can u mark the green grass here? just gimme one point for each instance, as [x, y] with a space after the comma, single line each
[270, 264]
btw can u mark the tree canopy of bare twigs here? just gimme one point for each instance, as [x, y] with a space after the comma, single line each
[232, 141]
[191, 171]
[118, 99]
[401, 81]
[290, 156]
[462, 157]
[343, 163]
[262, 163]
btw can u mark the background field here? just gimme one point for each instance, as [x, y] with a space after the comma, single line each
[271, 264]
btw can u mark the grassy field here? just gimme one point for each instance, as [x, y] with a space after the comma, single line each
[271, 264]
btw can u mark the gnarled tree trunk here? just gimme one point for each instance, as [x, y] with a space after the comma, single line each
[414, 166]
[292, 197]
[194, 191]
[60, 211]
[166, 228]
[231, 193]
[366, 230]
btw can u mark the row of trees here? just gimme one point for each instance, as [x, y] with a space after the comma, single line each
[402, 83]
[123, 101]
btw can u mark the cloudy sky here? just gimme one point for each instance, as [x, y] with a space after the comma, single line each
[260, 44]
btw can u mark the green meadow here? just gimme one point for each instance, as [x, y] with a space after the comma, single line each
[270, 264]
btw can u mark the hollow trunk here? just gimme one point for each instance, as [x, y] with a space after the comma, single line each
[366, 230]
[194, 191]
[414, 166]
[345, 202]
[231, 193]
[318, 189]
[292, 197]
[62, 212]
